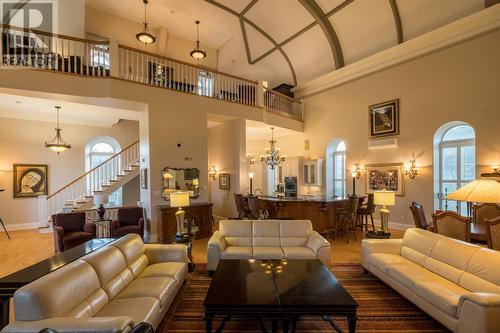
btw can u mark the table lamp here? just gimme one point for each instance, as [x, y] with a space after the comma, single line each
[479, 190]
[167, 175]
[384, 199]
[179, 199]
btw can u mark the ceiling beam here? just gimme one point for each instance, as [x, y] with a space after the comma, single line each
[245, 40]
[248, 7]
[397, 21]
[338, 8]
[325, 25]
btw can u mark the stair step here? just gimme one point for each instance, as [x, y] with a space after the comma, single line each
[81, 202]
[113, 181]
[97, 192]
[105, 185]
[88, 196]
[127, 171]
[134, 166]
[120, 176]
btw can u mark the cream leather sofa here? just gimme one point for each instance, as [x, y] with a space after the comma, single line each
[265, 240]
[457, 283]
[110, 290]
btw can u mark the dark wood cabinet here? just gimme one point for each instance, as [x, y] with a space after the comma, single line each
[199, 214]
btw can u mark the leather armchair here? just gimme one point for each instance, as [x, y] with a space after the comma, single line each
[129, 221]
[71, 229]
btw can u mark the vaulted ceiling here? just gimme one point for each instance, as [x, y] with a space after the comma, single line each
[293, 41]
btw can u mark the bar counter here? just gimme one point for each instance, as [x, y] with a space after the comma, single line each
[321, 212]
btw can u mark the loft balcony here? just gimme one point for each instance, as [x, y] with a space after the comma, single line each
[30, 49]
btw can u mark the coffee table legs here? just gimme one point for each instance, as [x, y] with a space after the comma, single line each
[209, 321]
[351, 323]
[4, 312]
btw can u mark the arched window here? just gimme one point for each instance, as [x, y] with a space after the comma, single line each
[339, 178]
[454, 162]
[98, 151]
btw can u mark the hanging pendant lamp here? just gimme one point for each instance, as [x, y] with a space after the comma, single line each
[272, 156]
[57, 144]
[145, 36]
[198, 53]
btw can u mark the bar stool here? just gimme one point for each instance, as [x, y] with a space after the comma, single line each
[364, 211]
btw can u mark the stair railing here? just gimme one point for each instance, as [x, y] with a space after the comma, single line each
[93, 182]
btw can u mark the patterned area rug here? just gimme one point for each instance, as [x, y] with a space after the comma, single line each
[381, 309]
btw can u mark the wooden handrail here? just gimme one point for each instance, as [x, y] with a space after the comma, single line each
[185, 63]
[38, 32]
[93, 169]
[283, 95]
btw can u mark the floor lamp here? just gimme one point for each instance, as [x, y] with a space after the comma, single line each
[1, 222]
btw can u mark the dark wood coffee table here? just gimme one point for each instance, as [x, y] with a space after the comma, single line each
[280, 291]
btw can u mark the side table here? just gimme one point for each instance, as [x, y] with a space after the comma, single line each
[188, 241]
[103, 227]
[377, 235]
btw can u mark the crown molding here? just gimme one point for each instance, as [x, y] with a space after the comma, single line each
[457, 32]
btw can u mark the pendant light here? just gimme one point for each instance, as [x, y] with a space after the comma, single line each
[272, 156]
[57, 144]
[198, 53]
[144, 36]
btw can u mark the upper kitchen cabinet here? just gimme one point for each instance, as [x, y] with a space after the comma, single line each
[312, 172]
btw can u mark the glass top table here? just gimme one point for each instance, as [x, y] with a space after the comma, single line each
[281, 290]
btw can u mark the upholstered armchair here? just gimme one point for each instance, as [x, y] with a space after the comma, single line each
[452, 225]
[71, 229]
[129, 221]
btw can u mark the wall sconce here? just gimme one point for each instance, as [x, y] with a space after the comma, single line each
[356, 171]
[212, 172]
[496, 169]
[494, 174]
[412, 170]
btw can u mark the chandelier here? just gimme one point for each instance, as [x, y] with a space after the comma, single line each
[145, 36]
[198, 53]
[57, 144]
[272, 155]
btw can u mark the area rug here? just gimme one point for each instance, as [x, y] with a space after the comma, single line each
[381, 309]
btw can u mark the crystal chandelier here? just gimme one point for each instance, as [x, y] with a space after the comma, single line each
[57, 144]
[145, 36]
[198, 53]
[272, 157]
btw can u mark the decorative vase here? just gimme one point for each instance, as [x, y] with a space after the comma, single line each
[101, 211]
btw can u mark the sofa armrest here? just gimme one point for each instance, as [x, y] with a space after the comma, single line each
[389, 246]
[90, 228]
[71, 325]
[158, 253]
[316, 242]
[479, 312]
[217, 241]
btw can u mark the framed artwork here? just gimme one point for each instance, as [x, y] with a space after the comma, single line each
[385, 177]
[224, 181]
[144, 178]
[384, 119]
[30, 180]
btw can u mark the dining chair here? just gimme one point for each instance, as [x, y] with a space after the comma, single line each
[348, 217]
[419, 217]
[253, 206]
[452, 225]
[485, 211]
[241, 205]
[493, 233]
[364, 211]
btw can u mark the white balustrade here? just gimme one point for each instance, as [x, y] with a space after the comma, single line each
[282, 104]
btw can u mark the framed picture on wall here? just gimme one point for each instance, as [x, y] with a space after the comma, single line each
[30, 180]
[144, 178]
[387, 177]
[384, 119]
[224, 181]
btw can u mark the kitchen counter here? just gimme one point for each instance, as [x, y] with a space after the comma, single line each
[321, 212]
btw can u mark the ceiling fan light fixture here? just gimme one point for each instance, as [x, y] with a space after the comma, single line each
[145, 36]
[198, 53]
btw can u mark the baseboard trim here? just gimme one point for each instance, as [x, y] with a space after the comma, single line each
[22, 226]
[394, 225]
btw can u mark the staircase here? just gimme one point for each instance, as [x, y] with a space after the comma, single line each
[83, 192]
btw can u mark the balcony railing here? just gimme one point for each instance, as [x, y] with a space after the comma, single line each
[45, 51]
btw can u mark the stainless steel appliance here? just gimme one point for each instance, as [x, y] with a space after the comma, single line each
[291, 187]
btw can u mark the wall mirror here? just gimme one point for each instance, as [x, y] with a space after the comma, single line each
[181, 179]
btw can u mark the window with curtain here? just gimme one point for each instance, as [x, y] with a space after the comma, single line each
[457, 164]
[339, 177]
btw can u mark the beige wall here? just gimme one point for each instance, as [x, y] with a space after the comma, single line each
[114, 27]
[22, 141]
[131, 192]
[460, 83]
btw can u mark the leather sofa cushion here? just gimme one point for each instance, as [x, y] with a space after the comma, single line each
[444, 270]
[384, 260]
[236, 233]
[295, 233]
[441, 293]
[292, 252]
[481, 274]
[420, 241]
[91, 306]
[57, 293]
[160, 288]
[237, 252]
[174, 270]
[131, 247]
[142, 309]
[409, 273]
[268, 253]
[266, 233]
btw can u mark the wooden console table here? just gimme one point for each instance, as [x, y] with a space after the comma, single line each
[200, 213]
[10, 283]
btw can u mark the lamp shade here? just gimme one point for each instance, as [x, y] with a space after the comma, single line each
[167, 175]
[385, 198]
[196, 182]
[179, 199]
[479, 190]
